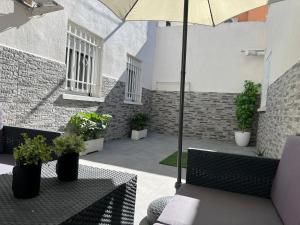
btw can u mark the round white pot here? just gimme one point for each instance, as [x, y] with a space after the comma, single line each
[242, 138]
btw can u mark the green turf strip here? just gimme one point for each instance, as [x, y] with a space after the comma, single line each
[171, 160]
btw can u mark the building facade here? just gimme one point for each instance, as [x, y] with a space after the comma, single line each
[217, 67]
[83, 58]
[280, 113]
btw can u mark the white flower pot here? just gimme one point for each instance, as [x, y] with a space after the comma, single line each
[138, 134]
[242, 138]
[95, 145]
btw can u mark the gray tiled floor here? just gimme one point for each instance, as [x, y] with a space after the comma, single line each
[142, 158]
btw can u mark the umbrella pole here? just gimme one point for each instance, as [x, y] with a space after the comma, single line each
[182, 87]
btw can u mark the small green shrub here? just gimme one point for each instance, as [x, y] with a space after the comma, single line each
[260, 153]
[88, 125]
[32, 151]
[139, 121]
[246, 103]
[68, 144]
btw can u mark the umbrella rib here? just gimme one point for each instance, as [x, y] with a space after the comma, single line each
[130, 9]
[211, 15]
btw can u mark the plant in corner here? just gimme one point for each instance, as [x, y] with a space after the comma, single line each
[260, 153]
[29, 157]
[246, 105]
[67, 149]
[138, 126]
[91, 127]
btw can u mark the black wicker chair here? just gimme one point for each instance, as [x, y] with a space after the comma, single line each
[230, 172]
[11, 137]
[229, 189]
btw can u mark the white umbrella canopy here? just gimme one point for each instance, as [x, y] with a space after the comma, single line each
[205, 12]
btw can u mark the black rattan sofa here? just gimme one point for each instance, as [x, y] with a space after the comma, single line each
[227, 189]
[10, 137]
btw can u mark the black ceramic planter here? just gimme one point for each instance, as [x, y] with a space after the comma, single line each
[26, 180]
[67, 167]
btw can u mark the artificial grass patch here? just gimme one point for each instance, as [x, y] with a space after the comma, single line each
[171, 160]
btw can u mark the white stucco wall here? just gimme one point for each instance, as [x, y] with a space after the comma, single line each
[214, 59]
[283, 37]
[46, 35]
[42, 35]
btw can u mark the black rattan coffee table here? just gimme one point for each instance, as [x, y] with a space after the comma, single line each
[98, 197]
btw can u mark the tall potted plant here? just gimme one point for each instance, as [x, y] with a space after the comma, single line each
[29, 157]
[246, 105]
[91, 127]
[138, 126]
[67, 149]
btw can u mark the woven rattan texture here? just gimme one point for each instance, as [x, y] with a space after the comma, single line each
[229, 172]
[12, 137]
[98, 197]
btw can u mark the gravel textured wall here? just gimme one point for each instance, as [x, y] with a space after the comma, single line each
[31, 91]
[207, 115]
[282, 117]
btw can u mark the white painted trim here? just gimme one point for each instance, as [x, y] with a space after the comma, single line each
[266, 80]
[133, 103]
[262, 109]
[83, 38]
[82, 98]
[133, 88]
[110, 77]
[30, 53]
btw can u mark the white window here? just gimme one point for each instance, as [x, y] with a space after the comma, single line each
[265, 84]
[83, 59]
[133, 92]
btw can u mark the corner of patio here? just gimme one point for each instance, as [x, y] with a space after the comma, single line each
[143, 158]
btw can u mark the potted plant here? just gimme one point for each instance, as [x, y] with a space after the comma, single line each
[138, 124]
[29, 157]
[246, 104]
[260, 153]
[67, 148]
[91, 127]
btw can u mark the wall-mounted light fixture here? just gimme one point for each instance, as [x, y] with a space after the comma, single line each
[40, 7]
[253, 52]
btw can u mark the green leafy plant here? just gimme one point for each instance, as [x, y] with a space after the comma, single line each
[68, 144]
[246, 104]
[32, 151]
[88, 125]
[139, 121]
[260, 153]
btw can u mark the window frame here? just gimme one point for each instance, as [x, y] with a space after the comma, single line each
[133, 91]
[88, 46]
[266, 82]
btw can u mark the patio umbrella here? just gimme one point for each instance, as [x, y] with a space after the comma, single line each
[205, 12]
